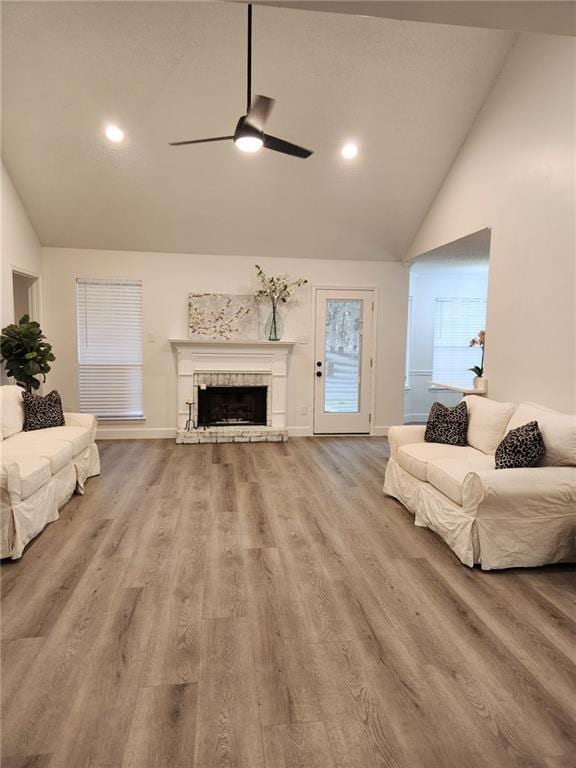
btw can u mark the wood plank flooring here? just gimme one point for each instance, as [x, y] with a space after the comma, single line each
[265, 606]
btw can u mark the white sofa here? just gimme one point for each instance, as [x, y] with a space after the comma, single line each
[498, 518]
[40, 470]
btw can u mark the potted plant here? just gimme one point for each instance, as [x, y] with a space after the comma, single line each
[479, 341]
[25, 354]
[277, 289]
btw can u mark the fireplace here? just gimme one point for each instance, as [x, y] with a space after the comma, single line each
[231, 369]
[232, 406]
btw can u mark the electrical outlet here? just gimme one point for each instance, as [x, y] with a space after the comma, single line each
[303, 340]
[151, 338]
[303, 410]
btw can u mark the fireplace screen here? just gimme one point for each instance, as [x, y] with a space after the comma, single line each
[231, 406]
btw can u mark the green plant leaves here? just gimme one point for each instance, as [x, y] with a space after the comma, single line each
[24, 353]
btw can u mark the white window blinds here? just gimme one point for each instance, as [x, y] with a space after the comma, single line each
[109, 324]
[456, 322]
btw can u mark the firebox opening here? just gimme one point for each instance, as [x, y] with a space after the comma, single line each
[232, 406]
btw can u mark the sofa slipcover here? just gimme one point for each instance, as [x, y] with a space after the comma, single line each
[558, 432]
[415, 458]
[31, 473]
[77, 437]
[57, 452]
[487, 421]
[40, 470]
[448, 475]
[497, 518]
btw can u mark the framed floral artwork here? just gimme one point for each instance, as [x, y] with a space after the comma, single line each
[222, 316]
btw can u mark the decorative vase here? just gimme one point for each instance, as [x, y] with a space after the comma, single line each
[274, 327]
[480, 383]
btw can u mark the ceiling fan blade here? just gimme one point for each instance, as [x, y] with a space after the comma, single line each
[259, 112]
[200, 141]
[279, 145]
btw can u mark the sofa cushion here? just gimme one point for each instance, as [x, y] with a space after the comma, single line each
[414, 458]
[447, 475]
[33, 471]
[445, 425]
[487, 422]
[11, 410]
[558, 432]
[78, 437]
[58, 452]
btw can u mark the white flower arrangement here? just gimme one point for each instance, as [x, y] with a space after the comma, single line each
[276, 289]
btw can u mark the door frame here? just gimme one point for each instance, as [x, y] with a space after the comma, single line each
[374, 347]
[34, 292]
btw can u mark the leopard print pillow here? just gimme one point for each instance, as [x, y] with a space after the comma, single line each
[42, 412]
[447, 425]
[522, 447]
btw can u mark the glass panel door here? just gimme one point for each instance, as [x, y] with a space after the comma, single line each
[343, 361]
[342, 353]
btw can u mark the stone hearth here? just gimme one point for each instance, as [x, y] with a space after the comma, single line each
[232, 435]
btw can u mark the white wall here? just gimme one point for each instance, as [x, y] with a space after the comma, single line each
[516, 174]
[167, 280]
[20, 247]
[429, 282]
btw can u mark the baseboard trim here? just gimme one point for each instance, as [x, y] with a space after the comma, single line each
[133, 433]
[300, 432]
[163, 433]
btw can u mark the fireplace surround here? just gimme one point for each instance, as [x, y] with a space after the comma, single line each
[207, 368]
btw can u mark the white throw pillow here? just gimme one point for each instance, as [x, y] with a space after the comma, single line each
[11, 410]
[487, 422]
[558, 431]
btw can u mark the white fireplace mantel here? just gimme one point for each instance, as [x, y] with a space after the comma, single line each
[233, 356]
[231, 342]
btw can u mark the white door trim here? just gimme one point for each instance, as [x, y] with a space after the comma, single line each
[34, 292]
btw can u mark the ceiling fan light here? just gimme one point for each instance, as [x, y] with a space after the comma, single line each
[349, 150]
[249, 143]
[114, 134]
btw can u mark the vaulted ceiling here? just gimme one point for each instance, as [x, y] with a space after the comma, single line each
[407, 92]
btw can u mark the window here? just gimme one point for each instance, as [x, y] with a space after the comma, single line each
[109, 324]
[456, 322]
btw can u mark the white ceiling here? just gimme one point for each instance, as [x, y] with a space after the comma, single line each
[556, 17]
[408, 92]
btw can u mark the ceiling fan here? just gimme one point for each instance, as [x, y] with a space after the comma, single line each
[249, 133]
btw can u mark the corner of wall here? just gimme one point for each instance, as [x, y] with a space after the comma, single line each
[20, 249]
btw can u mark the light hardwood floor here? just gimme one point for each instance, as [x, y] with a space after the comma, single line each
[264, 605]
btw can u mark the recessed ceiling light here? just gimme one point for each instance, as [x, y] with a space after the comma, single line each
[349, 151]
[249, 143]
[113, 133]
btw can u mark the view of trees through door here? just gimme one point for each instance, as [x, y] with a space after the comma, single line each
[342, 356]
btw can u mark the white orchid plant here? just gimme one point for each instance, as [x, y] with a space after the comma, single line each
[479, 341]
